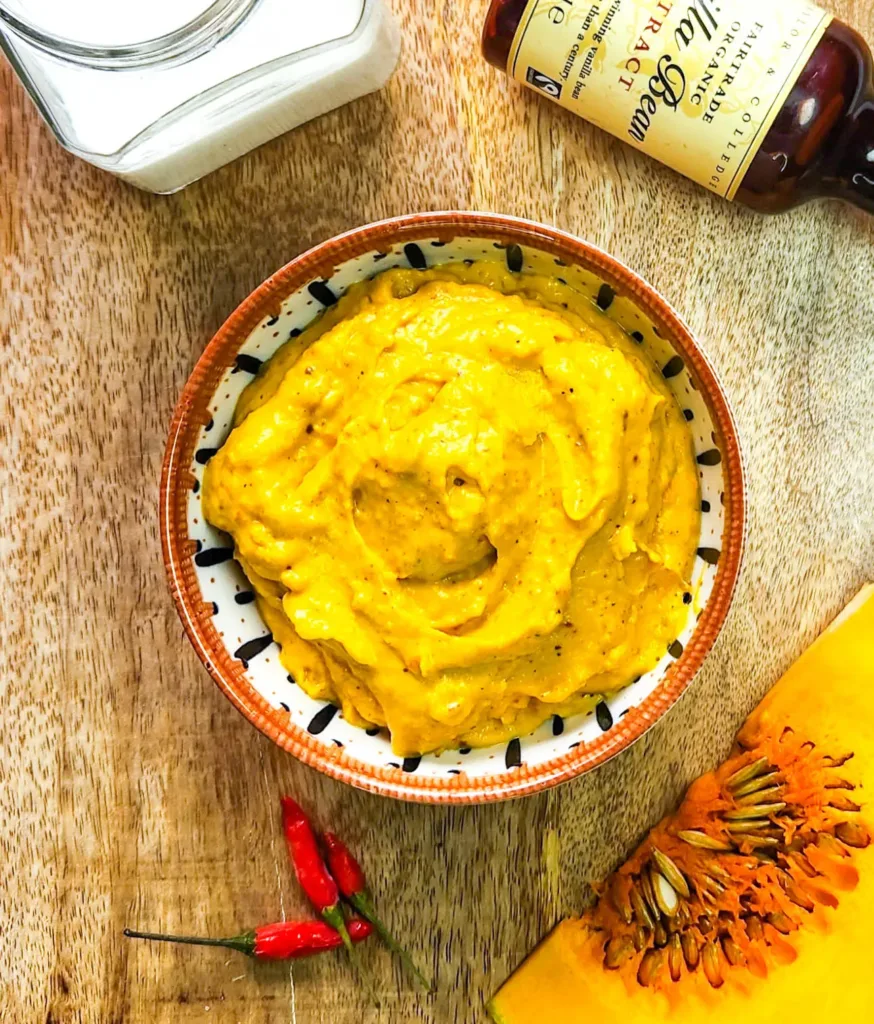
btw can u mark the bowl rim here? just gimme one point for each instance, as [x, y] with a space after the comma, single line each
[191, 413]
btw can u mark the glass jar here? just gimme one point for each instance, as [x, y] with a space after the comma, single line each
[162, 93]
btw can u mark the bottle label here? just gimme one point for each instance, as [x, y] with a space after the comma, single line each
[697, 85]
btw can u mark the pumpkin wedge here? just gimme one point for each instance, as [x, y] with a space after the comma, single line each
[754, 901]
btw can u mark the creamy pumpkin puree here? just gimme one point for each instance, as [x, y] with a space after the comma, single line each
[465, 501]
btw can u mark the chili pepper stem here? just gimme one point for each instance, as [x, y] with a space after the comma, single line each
[244, 943]
[363, 903]
[334, 917]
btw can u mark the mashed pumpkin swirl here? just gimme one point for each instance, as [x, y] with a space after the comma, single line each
[465, 501]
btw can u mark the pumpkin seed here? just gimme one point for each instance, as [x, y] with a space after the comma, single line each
[651, 967]
[712, 966]
[675, 958]
[795, 893]
[760, 842]
[753, 825]
[756, 784]
[746, 773]
[754, 928]
[715, 869]
[733, 953]
[703, 841]
[646, 889]
[781, 922]
[619, 899]
[853, 833]
[640, 909]
[760, 810]
[690, 950]
[713, 885]
[827, 842]
[617, 952]
[659, 935]
[803, 864]
[640, 938]
[673, 874]
[760, 796]
[665, 894]
[765, 856]
[842, 803]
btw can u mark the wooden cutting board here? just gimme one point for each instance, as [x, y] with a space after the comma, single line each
[130, 791]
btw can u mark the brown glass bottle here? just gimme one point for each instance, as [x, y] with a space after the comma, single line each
[822, 141]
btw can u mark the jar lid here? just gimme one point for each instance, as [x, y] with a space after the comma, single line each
[113, 24]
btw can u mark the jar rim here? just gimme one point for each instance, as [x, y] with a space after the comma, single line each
[186, 41]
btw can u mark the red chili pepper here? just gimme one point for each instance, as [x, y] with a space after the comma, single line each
[350, 878]
[313, 874]
[285, 940]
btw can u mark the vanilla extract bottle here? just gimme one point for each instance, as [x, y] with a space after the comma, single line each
[769, 102]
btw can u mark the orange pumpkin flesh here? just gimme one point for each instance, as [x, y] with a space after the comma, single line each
[755, 899]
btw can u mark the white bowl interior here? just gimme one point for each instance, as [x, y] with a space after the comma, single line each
[224, 586]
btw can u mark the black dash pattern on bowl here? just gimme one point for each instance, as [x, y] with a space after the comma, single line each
[514, 257]
[373, 730]
[604, 716]
[464, 750]
[705, 505]
[272, 321]
[606, 295]
[195, 487]
[638, 337]
[251, 648]
[675, 649]
[712, 457]
[247, 364]
[213, 556]
[710, 555]
[672, 367]
[322, 719]
[411, 764]
[203, 455]
[513, 756]
[415, 256]
[214, 608]
[245, 597]
[557, 725]
[322, 293]
[689, 415]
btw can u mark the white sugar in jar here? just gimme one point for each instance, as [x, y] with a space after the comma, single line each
[163, 92]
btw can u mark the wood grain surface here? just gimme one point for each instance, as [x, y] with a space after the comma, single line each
[131, 793]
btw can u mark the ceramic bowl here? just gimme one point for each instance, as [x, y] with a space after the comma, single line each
[217, 605]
